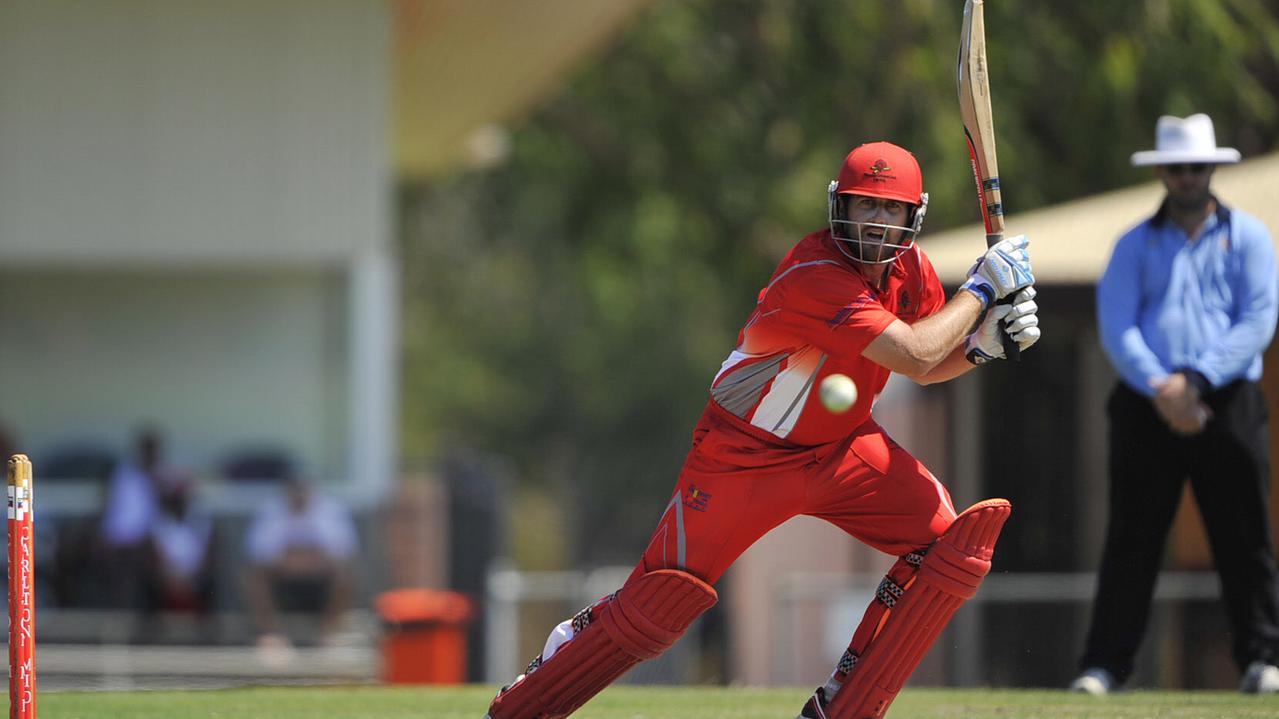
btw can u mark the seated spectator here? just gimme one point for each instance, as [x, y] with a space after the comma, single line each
[300, 549]
[131, 493]
[128, 513]
[179, 560]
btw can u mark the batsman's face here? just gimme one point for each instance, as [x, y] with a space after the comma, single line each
[875, 210]
[878, 222]
[1187, 184]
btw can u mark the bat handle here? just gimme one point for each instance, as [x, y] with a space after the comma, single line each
[1012, 351]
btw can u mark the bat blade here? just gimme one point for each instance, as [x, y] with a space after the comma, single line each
[979, 121]
[979, 130]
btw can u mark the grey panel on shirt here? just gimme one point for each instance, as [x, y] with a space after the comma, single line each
[741, 389]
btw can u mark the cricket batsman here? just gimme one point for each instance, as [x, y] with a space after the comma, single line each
[858, 298]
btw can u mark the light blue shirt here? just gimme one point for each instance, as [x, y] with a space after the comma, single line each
[1167, 303]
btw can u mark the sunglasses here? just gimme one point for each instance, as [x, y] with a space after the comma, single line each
[1194, 168]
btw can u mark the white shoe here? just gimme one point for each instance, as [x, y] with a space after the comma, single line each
[274, 650]
[1095, 681]
[1260, 678]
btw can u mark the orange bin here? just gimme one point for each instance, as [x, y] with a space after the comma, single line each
[424, 635]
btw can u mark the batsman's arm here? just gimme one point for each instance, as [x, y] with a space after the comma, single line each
[916, 350]
[955, 364]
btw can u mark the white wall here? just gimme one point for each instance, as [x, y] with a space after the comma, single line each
[155, 132]
[215, 360]
[194, 228]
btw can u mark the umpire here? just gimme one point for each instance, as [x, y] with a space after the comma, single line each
[1186, 308]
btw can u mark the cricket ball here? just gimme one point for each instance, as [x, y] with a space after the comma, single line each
[838, 393]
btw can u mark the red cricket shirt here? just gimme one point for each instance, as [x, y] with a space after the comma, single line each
[813, 319]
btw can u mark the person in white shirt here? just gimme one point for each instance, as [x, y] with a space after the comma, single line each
[128, 513]
[180, 557]
[131, 494]
[300, 549]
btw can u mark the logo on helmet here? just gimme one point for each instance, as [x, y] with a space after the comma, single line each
[878, 172]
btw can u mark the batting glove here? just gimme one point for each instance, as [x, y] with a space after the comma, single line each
[1020, 320]
[1022, 323]
[1004, 269]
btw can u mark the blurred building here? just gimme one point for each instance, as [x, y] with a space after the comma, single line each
[194, 234]
[197, 225]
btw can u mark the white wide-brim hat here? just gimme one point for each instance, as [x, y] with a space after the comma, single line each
[1188, 140]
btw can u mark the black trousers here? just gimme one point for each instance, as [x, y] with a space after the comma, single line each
[1228, 466]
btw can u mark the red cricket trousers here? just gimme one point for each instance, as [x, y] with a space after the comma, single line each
[738, 483]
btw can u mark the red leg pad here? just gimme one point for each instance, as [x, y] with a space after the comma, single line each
[642, 620]
[950, 573]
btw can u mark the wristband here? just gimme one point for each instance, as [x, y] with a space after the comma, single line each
[981, 291]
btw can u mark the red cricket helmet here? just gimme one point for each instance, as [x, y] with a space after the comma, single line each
[885, 171]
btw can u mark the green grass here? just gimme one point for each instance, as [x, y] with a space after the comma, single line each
[629, 702]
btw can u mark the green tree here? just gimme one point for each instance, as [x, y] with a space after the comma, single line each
[569, 308]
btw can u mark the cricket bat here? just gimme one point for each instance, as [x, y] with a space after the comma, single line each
[979, 129]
